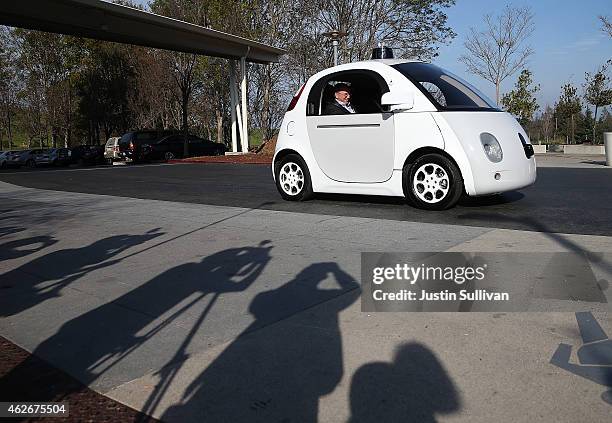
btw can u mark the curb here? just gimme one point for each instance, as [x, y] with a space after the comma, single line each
[230, 161]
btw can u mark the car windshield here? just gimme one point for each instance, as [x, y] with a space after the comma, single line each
[445, 90]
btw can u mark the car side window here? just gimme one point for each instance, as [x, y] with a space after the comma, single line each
[366, 88]
[435, 92]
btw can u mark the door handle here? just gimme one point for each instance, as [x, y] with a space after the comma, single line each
[350, 125]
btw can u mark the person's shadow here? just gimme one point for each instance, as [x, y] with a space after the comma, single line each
[414, 387]
[93, 344]
[280, 374]
[44, 277]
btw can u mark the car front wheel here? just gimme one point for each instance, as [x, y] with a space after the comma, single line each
[293, 179]
[433, 182]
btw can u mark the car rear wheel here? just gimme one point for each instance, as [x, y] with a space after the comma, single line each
[433, 182]
[31, 164]
[169, 156]
[293, 178]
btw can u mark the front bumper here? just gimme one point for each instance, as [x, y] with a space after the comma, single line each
[500, 179]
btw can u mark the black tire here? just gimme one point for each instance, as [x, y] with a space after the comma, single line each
[168, 155]
[31, 164]
[428, 194]
[288, 182]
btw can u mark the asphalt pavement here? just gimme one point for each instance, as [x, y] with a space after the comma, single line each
[563, 200]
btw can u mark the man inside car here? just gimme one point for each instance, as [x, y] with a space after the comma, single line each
[341, 104]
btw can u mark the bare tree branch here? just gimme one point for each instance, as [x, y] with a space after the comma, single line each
[606, 25]
[498, 51]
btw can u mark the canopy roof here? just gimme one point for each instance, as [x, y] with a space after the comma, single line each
[112, 22]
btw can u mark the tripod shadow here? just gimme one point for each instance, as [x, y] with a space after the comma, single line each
[91, 345]
[278, 375]
[44, 277]
[414, 387]
[15, 249]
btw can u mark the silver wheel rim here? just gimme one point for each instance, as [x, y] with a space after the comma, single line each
[291, 178]
[431, 183]
[169, 156]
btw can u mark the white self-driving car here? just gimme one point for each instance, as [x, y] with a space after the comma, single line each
[418, 131]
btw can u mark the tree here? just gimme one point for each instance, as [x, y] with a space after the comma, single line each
[152, 97]
[597, 91]
[498, 51]
[584, 125]
[184, 65]
[606, 25]
[548, 122]
[9, 85]
[413, 27]
[521, 101]
[567, 108]
[103, 85]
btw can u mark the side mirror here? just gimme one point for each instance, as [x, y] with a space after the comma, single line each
[400, 99]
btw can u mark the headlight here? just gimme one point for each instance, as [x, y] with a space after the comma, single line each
[491, 147]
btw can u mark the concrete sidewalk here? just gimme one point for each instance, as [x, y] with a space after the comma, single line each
[592, 161]
[201, 313]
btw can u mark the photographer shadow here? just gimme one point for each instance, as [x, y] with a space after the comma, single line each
[414, 387]
[280, 374]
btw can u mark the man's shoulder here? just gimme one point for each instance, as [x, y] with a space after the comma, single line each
[333, 107]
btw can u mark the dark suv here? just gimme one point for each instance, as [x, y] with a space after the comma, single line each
[87, 155]
[135, 146]
[172, 147]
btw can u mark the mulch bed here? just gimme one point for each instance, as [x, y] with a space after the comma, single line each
[238, 158]
[26, 378]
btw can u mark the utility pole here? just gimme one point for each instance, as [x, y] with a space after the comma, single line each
[335, 37]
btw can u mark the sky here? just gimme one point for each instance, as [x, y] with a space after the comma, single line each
[568, 41]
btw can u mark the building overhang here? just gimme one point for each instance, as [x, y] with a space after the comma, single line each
[113, 22]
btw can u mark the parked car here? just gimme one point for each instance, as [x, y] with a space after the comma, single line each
[172, 146]
[52, 157]
[41, 157]
[135, 146]
[87, 155]
[111, 150]
[24, 158]
[60, 156]
[416, 130]
[6, 159]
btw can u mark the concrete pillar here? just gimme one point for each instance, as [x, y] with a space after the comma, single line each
[608, 147]
[236, 110]
[233, 108]
[243, 90]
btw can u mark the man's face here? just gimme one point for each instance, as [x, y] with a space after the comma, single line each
[343, 95]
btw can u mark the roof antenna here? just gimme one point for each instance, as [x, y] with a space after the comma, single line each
[382, 52]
